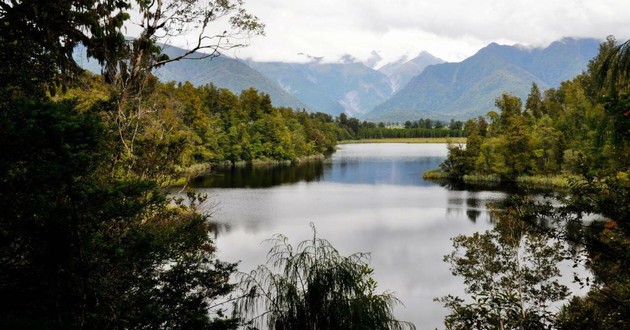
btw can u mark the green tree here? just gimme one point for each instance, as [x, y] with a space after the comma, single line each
[37, 40]
[510, 273]
[534, 104]
[315, 288]
[82, 250]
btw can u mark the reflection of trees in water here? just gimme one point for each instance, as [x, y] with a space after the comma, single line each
[472, 208]
[466, 198]
[260, 176]
[468, 202]
[217, 228]
[473, 215]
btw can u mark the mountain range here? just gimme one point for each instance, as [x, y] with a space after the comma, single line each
[468, 88]
[406, 89]
[350, 86]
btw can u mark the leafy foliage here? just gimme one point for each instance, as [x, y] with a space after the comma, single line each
[511, 274]
[315, 288]
[606, 243]
[88, 237]
[82, 250]
[558, 133]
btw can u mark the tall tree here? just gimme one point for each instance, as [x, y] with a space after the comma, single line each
[534, 104]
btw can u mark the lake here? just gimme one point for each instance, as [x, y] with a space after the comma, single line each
[364, 198]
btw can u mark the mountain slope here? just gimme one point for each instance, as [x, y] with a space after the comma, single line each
[221, 71]
[349, 87]
[403, 70]
[227, 73]
[468, 88]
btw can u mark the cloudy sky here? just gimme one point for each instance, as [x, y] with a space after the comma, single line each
[449, 29]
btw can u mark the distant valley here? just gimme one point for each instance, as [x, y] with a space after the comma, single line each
[407, 89]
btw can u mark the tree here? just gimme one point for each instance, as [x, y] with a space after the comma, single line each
[605, 253]
[316, 288]
[611, 67]
[510, 107]
[37, 40]
[611, 75]
[215, 25]
[82, 250]
[89, 239]
[510, 273]
[533, 104]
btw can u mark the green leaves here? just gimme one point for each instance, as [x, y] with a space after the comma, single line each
[315, 288]
[511, 274]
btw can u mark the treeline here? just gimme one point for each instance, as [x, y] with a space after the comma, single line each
[568, 130]
[423, 128]
[211, 125]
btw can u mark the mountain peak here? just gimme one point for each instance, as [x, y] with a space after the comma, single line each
[403, 70]
[374, 60]
[347, 58]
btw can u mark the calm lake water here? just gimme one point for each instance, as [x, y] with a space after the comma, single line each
[365, 198]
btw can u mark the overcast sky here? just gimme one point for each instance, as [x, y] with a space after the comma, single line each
[449, 29]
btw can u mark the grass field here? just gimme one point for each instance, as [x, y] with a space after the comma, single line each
[408, 140]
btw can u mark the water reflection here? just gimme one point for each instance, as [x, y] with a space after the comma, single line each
[368, 198]
[260, 176]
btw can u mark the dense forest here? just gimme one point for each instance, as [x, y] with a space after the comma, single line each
[89, 236]
[215, 126]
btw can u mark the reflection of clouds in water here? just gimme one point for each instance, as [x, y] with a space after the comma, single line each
[378, 204]
[405, 228]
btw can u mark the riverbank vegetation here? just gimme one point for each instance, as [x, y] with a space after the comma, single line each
[215, 126]
[423, 128]
[580, 133]
[212, 126]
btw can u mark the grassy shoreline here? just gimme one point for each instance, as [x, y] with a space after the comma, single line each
[408, 140]
[523, 181]
[195, 170]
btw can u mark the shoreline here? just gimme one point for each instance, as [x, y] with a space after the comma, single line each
[460, 140]
[196, 170]
[523, 181]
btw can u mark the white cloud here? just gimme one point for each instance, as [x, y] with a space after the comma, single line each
[450, 29]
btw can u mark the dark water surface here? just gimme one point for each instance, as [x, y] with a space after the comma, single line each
[367, 198]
